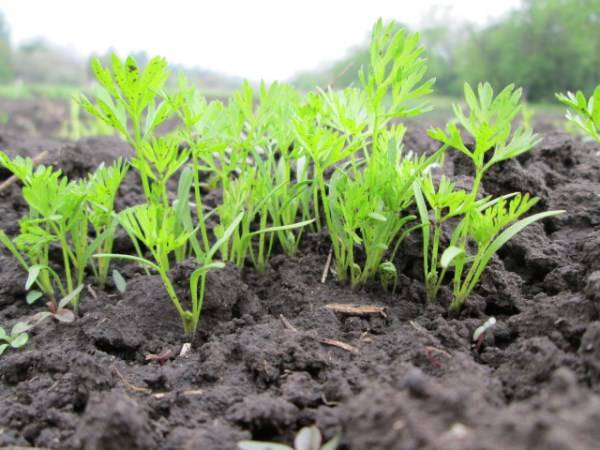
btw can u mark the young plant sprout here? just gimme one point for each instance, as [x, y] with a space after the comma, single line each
[264, 203]
[156, 227]
[17, 338]
[308, 438]
[393, 80]
[129, 101]
[584, 113]
[60, 212]
[58, 310]
[102, 188]
[258, 173]
[367, 211]
[484, 225]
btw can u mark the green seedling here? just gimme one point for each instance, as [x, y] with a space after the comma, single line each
[322, 148]
[157, 228]
[482, 226]
[55, 212]
[584, 113]
[60, 214]
[58, 310]
[267, 209]
[393, 81]
[17, 338]
[76, 128]
[253, 163]
[334, 126]
[489, 123]
[131, 101]
[157, 160]
[367, 210]
[308, 438]
[102, 188]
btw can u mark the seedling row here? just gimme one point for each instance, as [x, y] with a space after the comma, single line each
[285, 164]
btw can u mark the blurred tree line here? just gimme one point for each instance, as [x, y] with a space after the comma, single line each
[546, 46]
[36, 62]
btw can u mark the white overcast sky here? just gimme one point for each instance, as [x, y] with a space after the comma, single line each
[262, 39]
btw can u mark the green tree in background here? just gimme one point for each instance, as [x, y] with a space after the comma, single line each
[546, 46]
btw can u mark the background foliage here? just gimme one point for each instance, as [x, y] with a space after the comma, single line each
[546, 46]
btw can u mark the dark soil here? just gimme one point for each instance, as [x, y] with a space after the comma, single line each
[262, 367]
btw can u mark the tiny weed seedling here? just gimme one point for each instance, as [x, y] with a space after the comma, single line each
[308, 438]
[17, 338]
[485, 224]
[584, 113]
[58, 310]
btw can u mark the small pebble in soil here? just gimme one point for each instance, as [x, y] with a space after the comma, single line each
[416, 383]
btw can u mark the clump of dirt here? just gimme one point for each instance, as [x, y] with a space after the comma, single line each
[273, 356]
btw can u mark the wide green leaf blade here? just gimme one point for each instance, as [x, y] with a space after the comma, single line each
[20, 327]
[70, 297]
[119, 281]
[20, 340]
[449, 255]
[507, 235]
[425, 222]
[224, 238]
[282, 227]
[33, 296]
[32, 275]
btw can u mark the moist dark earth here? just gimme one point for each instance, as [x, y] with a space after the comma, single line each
[268, 358]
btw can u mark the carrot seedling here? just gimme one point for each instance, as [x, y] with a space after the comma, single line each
[60, 213]
[584, 113]
[266, 208]
[102, 188]
[156, 227]
[368, 211]
[482, 226]
[129, 100]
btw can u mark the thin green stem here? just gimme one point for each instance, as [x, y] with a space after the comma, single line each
[198, 201]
